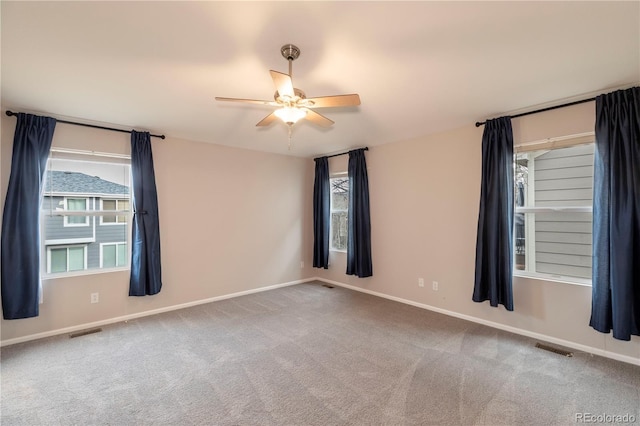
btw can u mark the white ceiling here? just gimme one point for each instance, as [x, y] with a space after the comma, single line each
[419, 67]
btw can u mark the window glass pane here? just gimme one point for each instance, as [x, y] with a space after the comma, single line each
[123, 205]
[76, 258]
[109, 205]
[109, 256]
[59, 260]
[108, 219]
[562, 243]
[339, 194]
[74, 184]
[339, 230]
[339, 208]
[521, 185]
[75, 204]
[122, 254]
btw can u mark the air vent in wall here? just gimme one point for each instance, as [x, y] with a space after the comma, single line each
[554, 350]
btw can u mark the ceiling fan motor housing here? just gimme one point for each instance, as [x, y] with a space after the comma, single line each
[298, 95]
[290, 52]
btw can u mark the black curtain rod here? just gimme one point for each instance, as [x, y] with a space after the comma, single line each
[478, 124]
[366, 148]
[14, 114]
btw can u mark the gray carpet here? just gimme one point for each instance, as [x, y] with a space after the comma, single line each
[306, 355]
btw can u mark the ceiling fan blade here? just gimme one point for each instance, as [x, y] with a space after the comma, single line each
[267, 120]
[249, 101]
[318, 119]
[283, 83]
[334, 101]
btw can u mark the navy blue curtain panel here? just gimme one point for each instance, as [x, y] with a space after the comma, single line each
[615, 303]
[146, 272]
[494, 243]
[359, 222]
[321, 214]
[21, 218]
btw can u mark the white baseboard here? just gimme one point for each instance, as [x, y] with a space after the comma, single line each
[114, 320]
[515, 330]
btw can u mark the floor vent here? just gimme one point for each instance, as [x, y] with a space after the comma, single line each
[85, 332]
[554, 350]
[327, 286]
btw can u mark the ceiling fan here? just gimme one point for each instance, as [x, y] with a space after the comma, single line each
[292, 102]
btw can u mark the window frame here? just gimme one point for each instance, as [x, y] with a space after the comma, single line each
[99, 158]
[67, 247]
[66, 222]
[548, 145]
[115, 243]
[122, 212]
[336, 176]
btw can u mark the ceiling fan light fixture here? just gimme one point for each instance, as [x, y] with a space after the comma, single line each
[290, 115]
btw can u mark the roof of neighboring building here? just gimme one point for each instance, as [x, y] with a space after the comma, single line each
[80, 183]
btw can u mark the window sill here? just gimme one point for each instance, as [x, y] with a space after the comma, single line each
[53, 277]
[583, 282]
[337, 251]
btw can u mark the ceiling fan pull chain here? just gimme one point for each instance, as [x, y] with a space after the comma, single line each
[290, 127]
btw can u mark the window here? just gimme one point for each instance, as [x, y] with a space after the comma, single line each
[117, 205]
[81, 193]
[76, 204]
[339, 213]
[553, 213]
[113, 255]
[66, 259]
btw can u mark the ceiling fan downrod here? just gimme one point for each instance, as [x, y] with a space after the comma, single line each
[290, 126]
[290, 52]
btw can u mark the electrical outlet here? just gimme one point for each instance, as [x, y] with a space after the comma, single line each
[420, 282]
[95, 297]
[434, 285]
[302, 264]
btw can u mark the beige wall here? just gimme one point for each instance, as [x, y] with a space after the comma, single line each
[424, 202]
[230, 222]
[424, 212]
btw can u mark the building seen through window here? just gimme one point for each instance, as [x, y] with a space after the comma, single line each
[85, 216]
[553, 212]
